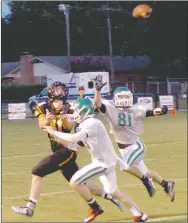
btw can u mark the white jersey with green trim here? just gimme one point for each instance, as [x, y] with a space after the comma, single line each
[98, 142]
[126, 124]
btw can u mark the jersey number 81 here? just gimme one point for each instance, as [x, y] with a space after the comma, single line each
[124, 119]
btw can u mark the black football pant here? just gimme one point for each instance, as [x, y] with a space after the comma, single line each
[62, 159]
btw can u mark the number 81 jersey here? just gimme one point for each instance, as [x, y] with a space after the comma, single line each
[126, 124]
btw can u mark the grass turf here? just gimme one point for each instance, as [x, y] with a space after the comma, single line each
[24, 145]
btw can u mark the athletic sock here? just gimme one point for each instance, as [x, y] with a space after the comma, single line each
[164, 183]
[93, 204]
[107, 196]
[31, 203]
[143, 179]
[135, 210]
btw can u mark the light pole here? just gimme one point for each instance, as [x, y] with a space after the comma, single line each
[65, 9]
[110, 43]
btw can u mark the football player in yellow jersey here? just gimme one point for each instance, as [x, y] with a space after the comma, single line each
[54, 113]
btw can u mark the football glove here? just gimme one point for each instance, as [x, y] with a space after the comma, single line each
[98, 83]
[161, 111]
[164, 110]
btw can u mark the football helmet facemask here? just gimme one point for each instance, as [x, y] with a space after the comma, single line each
[58, 91]
[123, 97]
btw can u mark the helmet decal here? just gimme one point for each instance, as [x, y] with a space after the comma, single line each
[83, 108]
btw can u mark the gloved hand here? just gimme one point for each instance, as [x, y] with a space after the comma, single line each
[98, 83]
[161, 111]
[164, 110]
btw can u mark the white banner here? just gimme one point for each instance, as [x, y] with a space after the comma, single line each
[17, 111]
[146, 100]
[20, 115]
[167, 100]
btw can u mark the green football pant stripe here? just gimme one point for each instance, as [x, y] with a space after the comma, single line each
[136, 153]
[140, 152]
[91, 173]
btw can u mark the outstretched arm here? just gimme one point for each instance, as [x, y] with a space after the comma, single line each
[157, 111]
[97, 99]
[62, 137]
[98, 86]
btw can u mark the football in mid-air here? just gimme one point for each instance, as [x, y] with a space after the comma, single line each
[142, 11]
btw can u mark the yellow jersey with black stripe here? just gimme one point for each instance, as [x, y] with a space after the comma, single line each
[60, 123]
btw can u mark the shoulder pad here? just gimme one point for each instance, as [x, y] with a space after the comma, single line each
[42, 106]
[41, 103]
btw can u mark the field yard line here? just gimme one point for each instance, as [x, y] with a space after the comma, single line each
[162, 157]
[30, 155]
[12, 139]
[13, 146]
[167, 218]
[150, 159]
[71, 191]
[133, 185]
[161, 143]
[23, 156]
[147, 144]
[15, 173]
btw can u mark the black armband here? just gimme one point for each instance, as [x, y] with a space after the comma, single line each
[80, 143]
[102, 109]
[149, 113]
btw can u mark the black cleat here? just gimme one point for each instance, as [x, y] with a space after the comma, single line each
[169, 189]
[148, 183]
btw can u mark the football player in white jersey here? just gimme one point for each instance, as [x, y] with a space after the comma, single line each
[93, 134]
[126, 123]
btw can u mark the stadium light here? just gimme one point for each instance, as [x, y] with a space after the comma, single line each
[65, 9]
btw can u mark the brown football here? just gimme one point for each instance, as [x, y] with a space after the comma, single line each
[142, 11]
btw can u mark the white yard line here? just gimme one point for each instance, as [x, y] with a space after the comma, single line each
[15, 173]
[17, 146]
[71, 191]
[40, 154]
[23, 156]
[19, 138]
[20, 156]
[167, 218]
[166, 157]
[161, 143]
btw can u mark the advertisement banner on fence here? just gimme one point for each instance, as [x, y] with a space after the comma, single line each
[17, 111]
[167, 100]
[146, 100]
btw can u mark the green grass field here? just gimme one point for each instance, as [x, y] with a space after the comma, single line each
[23, 145]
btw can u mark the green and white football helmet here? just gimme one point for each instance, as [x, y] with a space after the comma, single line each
[123, 97]
[82, 108]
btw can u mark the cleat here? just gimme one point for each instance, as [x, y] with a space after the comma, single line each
[118, 204]
[141, 218]
[169, 189]
[93, 214]
[148, 183]
[23, 210]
